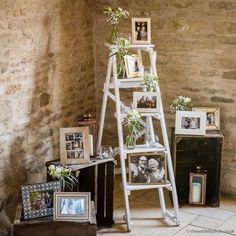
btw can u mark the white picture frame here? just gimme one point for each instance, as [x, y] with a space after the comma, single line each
[141, 31]
[146, 101]
[190, 123]
[212, 117]
[133, 65]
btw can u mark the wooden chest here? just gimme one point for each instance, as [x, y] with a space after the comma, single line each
[48, 227]
[189, 151]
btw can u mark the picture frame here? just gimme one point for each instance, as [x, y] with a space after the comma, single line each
[141, 30]
[146, 101]
[72, 206]
[133, 65]
[190, 123]
[37, 199]
[74, 145]
[147, 168]
[197, 188]
[212, 117]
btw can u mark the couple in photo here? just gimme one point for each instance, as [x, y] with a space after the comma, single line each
[147, 171]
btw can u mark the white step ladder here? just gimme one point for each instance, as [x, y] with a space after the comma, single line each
[115, 84]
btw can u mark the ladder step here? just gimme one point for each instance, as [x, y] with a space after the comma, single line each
[147, 186]
[145, 148]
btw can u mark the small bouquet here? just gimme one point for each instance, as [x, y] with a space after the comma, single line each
[115, 17]
[64, 174]
[150, 82]
[181, 104]
[132, 120]
[122, 45]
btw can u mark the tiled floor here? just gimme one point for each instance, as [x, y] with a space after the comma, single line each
[147, 221]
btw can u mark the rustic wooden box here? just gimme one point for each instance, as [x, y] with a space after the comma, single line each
[48, 227]
[188, 151]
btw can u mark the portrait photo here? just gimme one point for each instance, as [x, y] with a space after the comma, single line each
[147, 168]
[146, 101]
[74, 145]
[190, 122]
[37, 199]
[141, 30]
[133, 65]
[212, 117]
[72, 206]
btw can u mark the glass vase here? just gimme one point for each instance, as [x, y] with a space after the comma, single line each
[130, 141]
[114, 34]
[120, 69]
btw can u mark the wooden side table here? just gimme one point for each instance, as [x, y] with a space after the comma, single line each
[96, 177]
[189, 151]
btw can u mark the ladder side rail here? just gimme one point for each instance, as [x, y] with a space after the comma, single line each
[104, 102]
[121, 144]
[165, 139]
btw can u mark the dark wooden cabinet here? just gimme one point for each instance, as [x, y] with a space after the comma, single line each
[190, 151]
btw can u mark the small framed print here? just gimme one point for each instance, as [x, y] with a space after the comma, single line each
[72, 206]
[146, 101]
[212, 117]
[197, 188]
[147, 168]
[141, 30]
[37, 199]
[74, 145]
[190, 123]
[133, 65]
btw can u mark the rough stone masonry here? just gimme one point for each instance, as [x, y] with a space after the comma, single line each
[53, 64]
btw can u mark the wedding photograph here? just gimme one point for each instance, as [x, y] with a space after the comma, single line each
[141, 30]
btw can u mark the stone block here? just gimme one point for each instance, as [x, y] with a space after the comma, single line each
[222, 5]
[222, 99]
[229, 75]
[224, 27]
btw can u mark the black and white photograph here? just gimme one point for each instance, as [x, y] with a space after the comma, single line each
[37, 199]
[146, 101]
[133, 65]
[212, 117]
[190, 122]
[74, 145]
[72, 206]
[147, 168]
[141, 30]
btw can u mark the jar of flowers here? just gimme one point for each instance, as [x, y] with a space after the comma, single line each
[149, 82]
[133, 122]
[64, 174]
[181, 103]
[114, 17]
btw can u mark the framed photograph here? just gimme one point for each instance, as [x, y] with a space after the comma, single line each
[146, 101]
[190, 122]
[133, 65]
[147, 168]
[197, 188]
[37, 199]
[141, 30]
[74, 145]
[212, 117]
[72, 206]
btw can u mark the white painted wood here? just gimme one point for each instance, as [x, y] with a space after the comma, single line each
[112, 82]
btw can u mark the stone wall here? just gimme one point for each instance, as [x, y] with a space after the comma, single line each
[46, 81]
[195, 42]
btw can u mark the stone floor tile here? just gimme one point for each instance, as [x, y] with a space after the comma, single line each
[213, 212]
[193, 230]
[207, 222]
[229, 225]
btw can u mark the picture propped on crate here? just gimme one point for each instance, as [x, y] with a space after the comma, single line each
[190, 123]
[147, 168]
[74, 145]
[74, 206]
[37, 199]
[212, 117]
